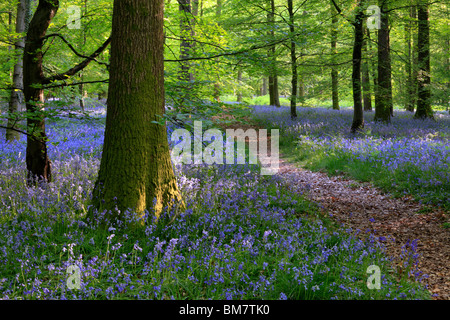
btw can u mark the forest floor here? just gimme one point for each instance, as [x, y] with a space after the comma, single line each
[396, 222]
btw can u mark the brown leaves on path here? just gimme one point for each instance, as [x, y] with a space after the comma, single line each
[397, 220]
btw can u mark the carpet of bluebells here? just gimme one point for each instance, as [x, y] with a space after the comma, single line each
[242, 236]
[409, 156]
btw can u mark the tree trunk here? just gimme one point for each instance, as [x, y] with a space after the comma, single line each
[424, 94]
[358, 115]
[16, 102]
[239, 93]
[383, 97]
[186, 44]
[334, 72]
[136, 167]
[372, 64]
[410, 90]
[38, 163]
[216, 92]
[365, 78]
[301, 90]
[264, 87]
[81, 87]
[273, 78]
[294, 79]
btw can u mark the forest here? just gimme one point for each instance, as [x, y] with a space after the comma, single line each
[124, 170]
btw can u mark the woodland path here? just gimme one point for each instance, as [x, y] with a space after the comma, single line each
[363, 207]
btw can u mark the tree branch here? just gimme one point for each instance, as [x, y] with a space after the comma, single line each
[78, 67]
[72, 48]
[74, 84]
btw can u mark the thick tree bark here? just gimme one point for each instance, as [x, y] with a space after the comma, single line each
[136, 167]
[294, 79]
[424, 91]
[16, 101]
[383, 97]
[358, 115]
[334, 71]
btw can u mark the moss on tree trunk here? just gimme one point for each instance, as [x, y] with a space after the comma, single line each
[136, 168]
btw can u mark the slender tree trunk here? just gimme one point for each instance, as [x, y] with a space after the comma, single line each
[448, 72]
[273, 78]
[334, 71]
[81, 87]
[414, 53]
[294, 79]
[16, 102]
[301, 90]
[264, 87]
[358, 115]
[424, 91]
[216, 93]
[383, 98]
[372, 64]
[239, 92]
[409, 102]
[186, 33]
[365, 78]
[136, 167]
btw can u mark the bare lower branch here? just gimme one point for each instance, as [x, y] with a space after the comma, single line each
[78, 67]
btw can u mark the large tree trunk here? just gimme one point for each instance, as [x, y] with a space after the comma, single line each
[16, 101]
[294, 79]
[424, 91]
[358, 115]
[38, 163]
[383, 97]
[334, 71]
[136, 167]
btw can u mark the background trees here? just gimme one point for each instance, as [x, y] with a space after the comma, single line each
[230, 44]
